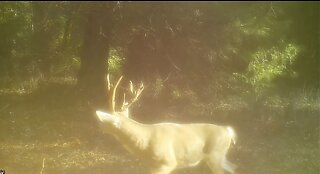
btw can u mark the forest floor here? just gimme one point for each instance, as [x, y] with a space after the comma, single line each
[44, 134]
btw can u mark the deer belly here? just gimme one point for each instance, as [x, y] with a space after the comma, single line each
[188, 162]
[189, 157]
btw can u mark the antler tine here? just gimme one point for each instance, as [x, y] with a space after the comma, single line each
[131, 86]
[108, 82]
[112, 90]
[135, 93]
[124, 101]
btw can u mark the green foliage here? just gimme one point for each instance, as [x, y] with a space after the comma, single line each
[267, 65]
[216, 50]
[115, 61]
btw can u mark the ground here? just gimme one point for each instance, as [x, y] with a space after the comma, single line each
[48, 134]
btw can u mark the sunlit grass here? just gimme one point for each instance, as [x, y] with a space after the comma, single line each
[58, 157]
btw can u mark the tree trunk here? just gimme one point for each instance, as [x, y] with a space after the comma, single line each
[94, 56]
[41, 38]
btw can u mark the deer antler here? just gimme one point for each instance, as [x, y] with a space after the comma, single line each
[135, 93]
[112, 90]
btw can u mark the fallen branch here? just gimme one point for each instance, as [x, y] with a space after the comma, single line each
[43, 161]
[5, 107]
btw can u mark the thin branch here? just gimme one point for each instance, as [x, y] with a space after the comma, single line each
[271, 7]
[174, 65]
[5, 107]
[43, 162]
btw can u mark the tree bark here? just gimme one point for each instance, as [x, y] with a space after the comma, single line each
[94, 56]
[41, 38]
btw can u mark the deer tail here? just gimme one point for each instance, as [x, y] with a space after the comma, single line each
[232, 134]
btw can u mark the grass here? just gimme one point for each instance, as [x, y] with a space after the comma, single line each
[49, 131]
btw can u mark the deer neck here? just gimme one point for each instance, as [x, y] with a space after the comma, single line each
[133, 135]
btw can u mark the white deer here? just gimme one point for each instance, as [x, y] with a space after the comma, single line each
[165, 147]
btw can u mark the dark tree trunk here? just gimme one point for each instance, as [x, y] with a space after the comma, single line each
[94, 56]
[41, 38]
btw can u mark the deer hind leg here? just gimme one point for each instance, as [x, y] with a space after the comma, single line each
[218, 164]
[215, 165]
[228, 166]
[163, 169]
